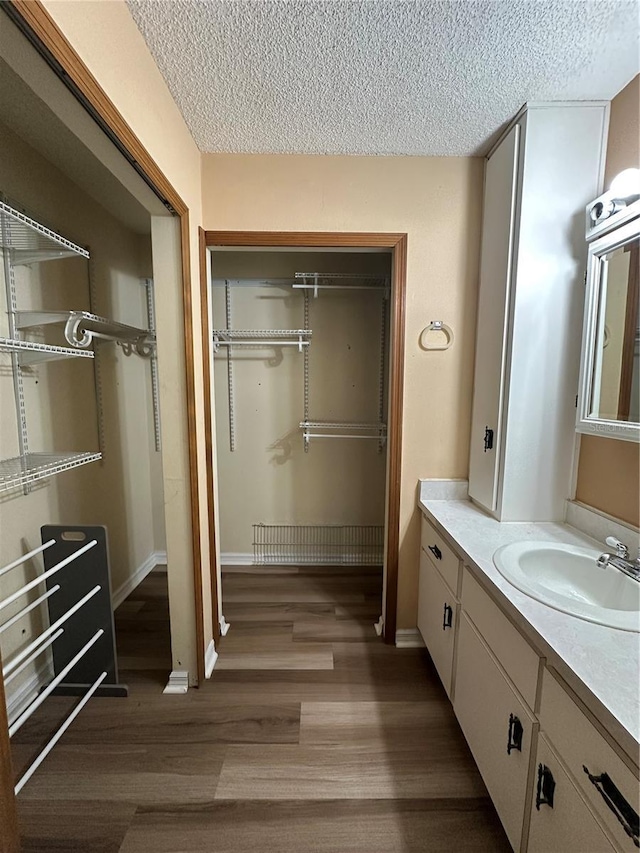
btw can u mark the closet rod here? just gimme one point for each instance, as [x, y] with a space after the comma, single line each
[7, 601]
[25, 663]
[312, 286]
[336, 435]
[29, 608]
[252, 282]
[259, 342]
[14, 662]
[54, 740]
[26, 557]
[22, 719]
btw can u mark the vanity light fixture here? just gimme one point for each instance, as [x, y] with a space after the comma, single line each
[620, 204]
[626, 186]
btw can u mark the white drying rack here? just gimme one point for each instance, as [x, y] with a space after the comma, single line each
[20, 661]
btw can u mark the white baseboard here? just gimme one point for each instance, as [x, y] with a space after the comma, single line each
[24, 695]
[409, 638]
[224, 626]
[155, 558]
[231, 558]
[178, 681]
[210, 658]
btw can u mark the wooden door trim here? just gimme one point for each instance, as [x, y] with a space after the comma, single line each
[40, 28]
[398, 245]
[205, 329]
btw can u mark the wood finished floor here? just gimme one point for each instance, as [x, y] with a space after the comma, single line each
[311, 737]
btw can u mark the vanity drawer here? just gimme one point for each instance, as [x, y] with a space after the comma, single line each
[446, 561]
[581, 745]
[515, 654]
[499, 729]
[565, 824]
[437, 619]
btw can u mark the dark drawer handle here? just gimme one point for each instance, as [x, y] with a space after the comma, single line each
[488, 439]
[624, 812]
[437, 553]
[546, 787]
[447, 617]
[514, 738]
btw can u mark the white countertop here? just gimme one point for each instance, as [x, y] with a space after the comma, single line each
[601, 664]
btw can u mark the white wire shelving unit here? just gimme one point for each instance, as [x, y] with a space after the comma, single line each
[30, 352]
[316, 281]
[24, 242]
[261, 338]
[308, 284]
[342, 429]
[29, 468]
[81, 328]
[30, 242]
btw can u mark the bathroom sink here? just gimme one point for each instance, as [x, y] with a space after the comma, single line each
[567, 578]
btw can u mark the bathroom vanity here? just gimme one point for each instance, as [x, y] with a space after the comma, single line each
[548, 702]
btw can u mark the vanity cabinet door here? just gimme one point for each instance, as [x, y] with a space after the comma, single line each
[561, 822]
[609, 786]
[437, 619]
[498, 727]
[498, 224]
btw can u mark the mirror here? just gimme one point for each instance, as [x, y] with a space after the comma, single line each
[609, 399]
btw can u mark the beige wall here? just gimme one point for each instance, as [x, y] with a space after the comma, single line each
[61, 397]
[268, 477]
[437, 201]
[108, 41]
[609, 470]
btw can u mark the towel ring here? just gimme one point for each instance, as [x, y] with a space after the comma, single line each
[436, 326]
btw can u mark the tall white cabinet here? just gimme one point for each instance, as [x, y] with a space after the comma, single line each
[544, 170]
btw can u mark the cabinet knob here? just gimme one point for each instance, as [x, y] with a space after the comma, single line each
[447, 616]
[437, 553]
[514, 737]
[546, 787]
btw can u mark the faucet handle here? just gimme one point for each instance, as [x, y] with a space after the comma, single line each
[621, 549]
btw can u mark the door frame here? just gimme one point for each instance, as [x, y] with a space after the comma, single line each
[397, 243]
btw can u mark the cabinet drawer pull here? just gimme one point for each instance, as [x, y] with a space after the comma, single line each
[437, 553]
[447, 616]
[624, 812]
[514, 738]
[546, 787]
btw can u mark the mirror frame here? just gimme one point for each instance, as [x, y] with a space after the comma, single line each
[585, 423]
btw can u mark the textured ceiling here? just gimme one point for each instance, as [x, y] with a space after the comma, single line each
[379, 77]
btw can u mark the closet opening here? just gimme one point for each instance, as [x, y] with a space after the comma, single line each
[80, 426]
[306, 375]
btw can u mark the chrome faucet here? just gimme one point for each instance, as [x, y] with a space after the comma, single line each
[620, 560]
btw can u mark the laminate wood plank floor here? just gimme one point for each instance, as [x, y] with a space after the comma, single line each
[312, 736]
